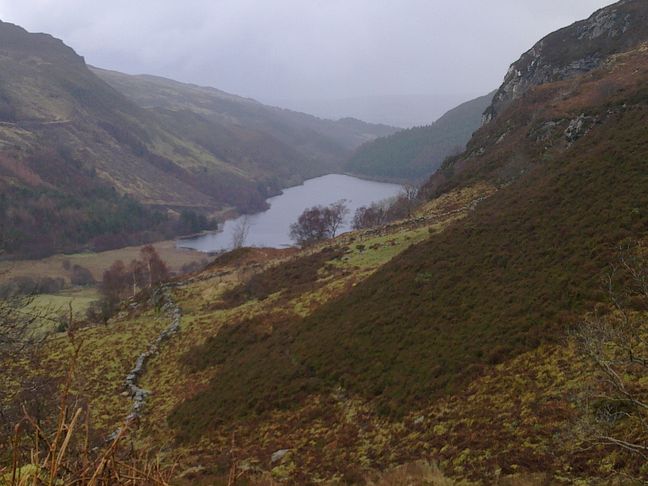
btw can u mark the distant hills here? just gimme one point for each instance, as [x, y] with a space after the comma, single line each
[418, 152]
[445, 339]
[403, 111]
[321, 144]
[83, 164]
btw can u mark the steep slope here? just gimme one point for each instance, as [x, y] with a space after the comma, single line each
[442, 338]
[569, 160]
[53, 102]
[513, 274]
[67, 141]
[81, 165]
[325, 142]
[574, 50]
[418, 152]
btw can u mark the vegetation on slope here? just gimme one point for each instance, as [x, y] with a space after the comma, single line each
[325, 141]
[442, 337]
[512, 275]
[417, 152]
[523, 409]
[62, 129]
[36, 221]
[265, 373]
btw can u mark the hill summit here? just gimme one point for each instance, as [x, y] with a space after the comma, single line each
[574, 50]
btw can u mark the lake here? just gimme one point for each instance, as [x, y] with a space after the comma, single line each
[271, 228]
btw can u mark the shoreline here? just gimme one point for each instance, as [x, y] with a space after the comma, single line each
[211, 242]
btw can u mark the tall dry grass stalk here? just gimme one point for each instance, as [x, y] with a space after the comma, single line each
[65, 456]
[414, 474]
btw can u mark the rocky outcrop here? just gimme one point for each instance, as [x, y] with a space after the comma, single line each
[278, 455]
[574, 50]
[579, 127]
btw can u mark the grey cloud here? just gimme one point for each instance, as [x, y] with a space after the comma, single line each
[306, 49]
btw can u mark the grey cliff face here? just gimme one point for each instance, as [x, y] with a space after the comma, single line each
[574, 50]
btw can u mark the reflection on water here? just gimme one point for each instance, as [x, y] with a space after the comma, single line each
[271, 228]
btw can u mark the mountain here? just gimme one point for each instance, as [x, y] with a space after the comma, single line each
[83, 165]
[417, 152]
[389, 365]
[403, 111]
[319, 140]
[447, 338]
[574, 50]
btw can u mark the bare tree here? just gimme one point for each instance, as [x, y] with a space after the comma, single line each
[337, 213]
[410, 196]
[137, 276]
[616, 345]
[370, 216]
[156, 269]
[240, 233]
[319, 223]
[21, 336]
[17, 322]
[310, 227]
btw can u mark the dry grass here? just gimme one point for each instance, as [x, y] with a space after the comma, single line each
[64, 455]
[415, 474]
[97, 263]
[423, 473]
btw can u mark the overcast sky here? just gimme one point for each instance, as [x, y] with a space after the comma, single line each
[306, 49]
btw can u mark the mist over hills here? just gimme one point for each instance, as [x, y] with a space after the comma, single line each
[161, 144]
[319, 140]
[416, 153]
[403, 111]
[496, 334]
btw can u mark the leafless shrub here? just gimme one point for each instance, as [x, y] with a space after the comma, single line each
[19, 320]
[64, 454]
[616, 344]
[319, 223]
[371, 216]
[240, 233]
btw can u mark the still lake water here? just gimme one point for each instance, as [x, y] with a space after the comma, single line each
[271, 228]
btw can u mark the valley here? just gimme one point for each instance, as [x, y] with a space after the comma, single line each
[272, 228]
[102, 167]
[488, 326]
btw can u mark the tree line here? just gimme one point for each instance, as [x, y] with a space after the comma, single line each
[319, 223]
[121, 282]
[77, 210]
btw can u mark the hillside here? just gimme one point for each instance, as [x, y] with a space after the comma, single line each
[417, 152]
[501, 286]
[318, 140]
[574, 50]
[448, 338]
[515, 273]
[83, 166]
